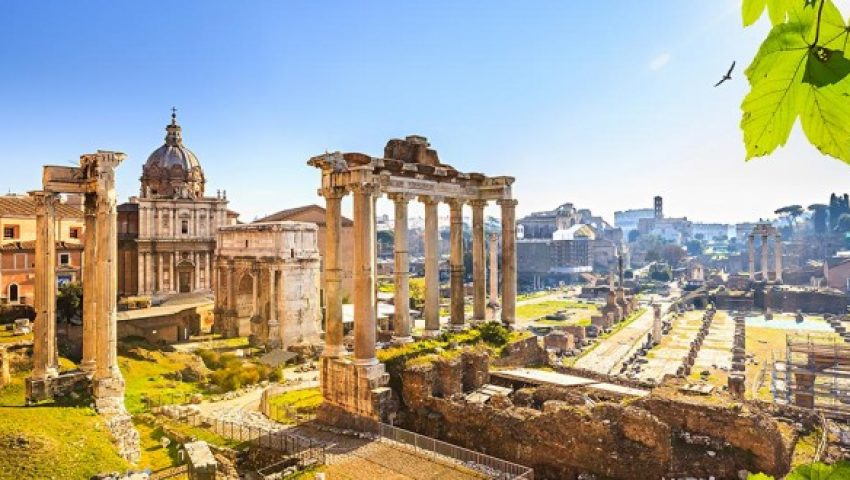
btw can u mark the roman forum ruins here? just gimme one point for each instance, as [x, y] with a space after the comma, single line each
[95, 179]
[765, 231]
[408, 170]
[267, 283]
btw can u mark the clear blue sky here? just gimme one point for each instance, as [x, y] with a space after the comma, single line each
[603, 104]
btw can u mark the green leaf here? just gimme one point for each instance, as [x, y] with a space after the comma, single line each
[825, 67]
[825, 118]
[751, 11]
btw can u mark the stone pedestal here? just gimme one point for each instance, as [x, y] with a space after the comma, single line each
[736, 384]
[353, 393]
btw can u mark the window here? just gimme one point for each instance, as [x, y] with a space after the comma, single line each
[10, 232]
[74, 232]
[64, 259]
[13, 293]
[184, 227]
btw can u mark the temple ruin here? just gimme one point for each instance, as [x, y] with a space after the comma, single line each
[765, 231]
[408, 170]
[95, 179]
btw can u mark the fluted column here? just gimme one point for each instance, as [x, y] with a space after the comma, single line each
[765, 255]
[172, 280]
[456, 260]
[401, 324]
[508, 261]
[751, 250]
[431, 310]
[196, 282]
[208, 274]
[90, 285]
[333, 273]
[364, 275]
[777, 252]
[108, 380]
[479, 262]
[255, 273]
[494, 271]
[45, 358]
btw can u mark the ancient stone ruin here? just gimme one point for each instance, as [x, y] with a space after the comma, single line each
[409, 169]
[95, 179]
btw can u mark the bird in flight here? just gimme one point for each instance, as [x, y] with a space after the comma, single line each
[728, 75]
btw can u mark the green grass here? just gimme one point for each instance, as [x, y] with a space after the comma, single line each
[287, 406]
[7, 336]
[52, 441]
[531, 311]
[147, 378]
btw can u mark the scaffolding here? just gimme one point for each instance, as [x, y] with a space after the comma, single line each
[814, 374]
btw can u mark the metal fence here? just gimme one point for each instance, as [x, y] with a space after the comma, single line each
[491, 466]
[295, 449]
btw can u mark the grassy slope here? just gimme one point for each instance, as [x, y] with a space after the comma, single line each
[60, 442]
[148, 378]
[531, 311]
[301, 401]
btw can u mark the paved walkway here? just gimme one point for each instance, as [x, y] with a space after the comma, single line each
[609, 355]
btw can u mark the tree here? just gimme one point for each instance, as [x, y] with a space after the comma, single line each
[672, 254]
[69, 301]
[819, 214]
[694, 247]
[800, 71]
[843, 223]
[791, 212]
[652, 256]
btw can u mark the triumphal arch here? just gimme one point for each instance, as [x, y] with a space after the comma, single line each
[409, 170]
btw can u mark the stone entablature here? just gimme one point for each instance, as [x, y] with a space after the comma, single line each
[267, 283]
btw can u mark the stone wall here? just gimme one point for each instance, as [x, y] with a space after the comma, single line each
[521, 353]
[806, 300]
[558, 433]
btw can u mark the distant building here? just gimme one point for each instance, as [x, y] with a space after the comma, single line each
[558, 245]
[836, 271]
[17, 247]
[710, 231]
[627, 220]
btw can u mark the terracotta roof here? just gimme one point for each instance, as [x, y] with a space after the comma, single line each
[30, 245]
[25, 207]
[287, 214]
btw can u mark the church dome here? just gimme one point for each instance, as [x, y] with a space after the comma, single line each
[172, 170]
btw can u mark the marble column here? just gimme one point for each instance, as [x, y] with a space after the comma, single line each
[172, 282]
[431, 310]
[45, 357]
[479, 262]
[456, 261]
[401, 322]
[364, 275]
[90, 285]
[777, 254]
[765, 255]
[333, 273]
[160, 279]
[208, 273]
[108, 381]
[274, 323]
[196, 256]
[508, 261]
[751, 250]
[494, 271]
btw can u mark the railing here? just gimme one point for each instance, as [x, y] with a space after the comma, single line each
[491, 466]
[294, 449]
